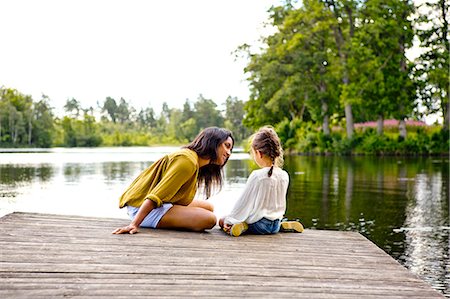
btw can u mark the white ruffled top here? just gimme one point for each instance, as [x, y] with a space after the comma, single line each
[263, 196]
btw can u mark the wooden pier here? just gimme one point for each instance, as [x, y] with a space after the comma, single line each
[47, 256]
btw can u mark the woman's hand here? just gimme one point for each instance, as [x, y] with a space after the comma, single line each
[131, 229]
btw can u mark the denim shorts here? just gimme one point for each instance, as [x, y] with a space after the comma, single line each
[264, 227]
[153, 218]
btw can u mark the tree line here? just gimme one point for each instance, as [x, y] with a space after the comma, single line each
[28, 123]
[331, 63]
[328, 65]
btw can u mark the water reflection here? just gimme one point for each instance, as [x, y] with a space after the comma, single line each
[400, 204]
[237, 171]
[15, 174]
[13, 177]
[121, 171]
[426, 231]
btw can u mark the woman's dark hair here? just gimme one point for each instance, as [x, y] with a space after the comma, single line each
[205, 145]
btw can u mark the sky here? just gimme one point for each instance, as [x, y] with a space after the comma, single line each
[147, 52]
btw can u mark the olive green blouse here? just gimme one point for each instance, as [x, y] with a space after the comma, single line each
[173, 178]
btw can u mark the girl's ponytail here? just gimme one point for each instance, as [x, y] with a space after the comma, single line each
[270, 171]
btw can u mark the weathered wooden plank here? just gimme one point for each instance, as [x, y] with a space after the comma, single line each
[285, 261]
[142, 278]
[213, 281]
[13, 252]
[169, 288]
[298, 285]
[55, 255]
[211, 269]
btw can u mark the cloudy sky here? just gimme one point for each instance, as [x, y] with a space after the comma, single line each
[147, 51]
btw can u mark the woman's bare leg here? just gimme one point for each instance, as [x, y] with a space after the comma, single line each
[192, 218]
[202, 204]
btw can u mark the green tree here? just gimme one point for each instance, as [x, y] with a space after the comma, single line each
[165, 111]
[188, 113]
[188, 122]
[173, 128]
[43, 123]
[124, 111]
[73, 107]
[70, 138]
[309, 41]
[345, 14]
[189, 128]
[432, 67]
[15, 117]
[162, 121]
[110, 107]
[293, 77]
[273, 78]
[207, 114]
[89, 135]
[383, 80]
[234, 114]
[146, 118]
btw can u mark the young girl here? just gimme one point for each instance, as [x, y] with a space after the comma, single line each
[262, 205]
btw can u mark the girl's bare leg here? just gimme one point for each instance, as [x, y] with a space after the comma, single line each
[192, 218]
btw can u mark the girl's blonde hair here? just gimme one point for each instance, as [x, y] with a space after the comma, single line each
[266, 141]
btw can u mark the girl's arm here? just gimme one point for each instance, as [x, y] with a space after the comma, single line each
[226, 227]
[244, 205]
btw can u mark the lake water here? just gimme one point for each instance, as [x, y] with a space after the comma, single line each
[401, 204]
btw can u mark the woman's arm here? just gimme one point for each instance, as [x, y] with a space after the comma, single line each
[133, 227]
[179, 171]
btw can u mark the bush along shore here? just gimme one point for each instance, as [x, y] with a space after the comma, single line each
[421, 140]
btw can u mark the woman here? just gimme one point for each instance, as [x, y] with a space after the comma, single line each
[162, 196]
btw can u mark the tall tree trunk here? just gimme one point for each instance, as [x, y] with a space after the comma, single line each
[30, 126]
[349, 120]
[402, 129]
[325, 114]
[446, 111]
[348, 106]
[340, 43]
[445, 106]
[380, 121]
[16, 133]
[326, 121]
[302, 112]
[403, 69]
[11, 123]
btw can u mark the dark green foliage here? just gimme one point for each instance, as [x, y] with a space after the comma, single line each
[26, 123]
[329, 63]
[431, 69]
